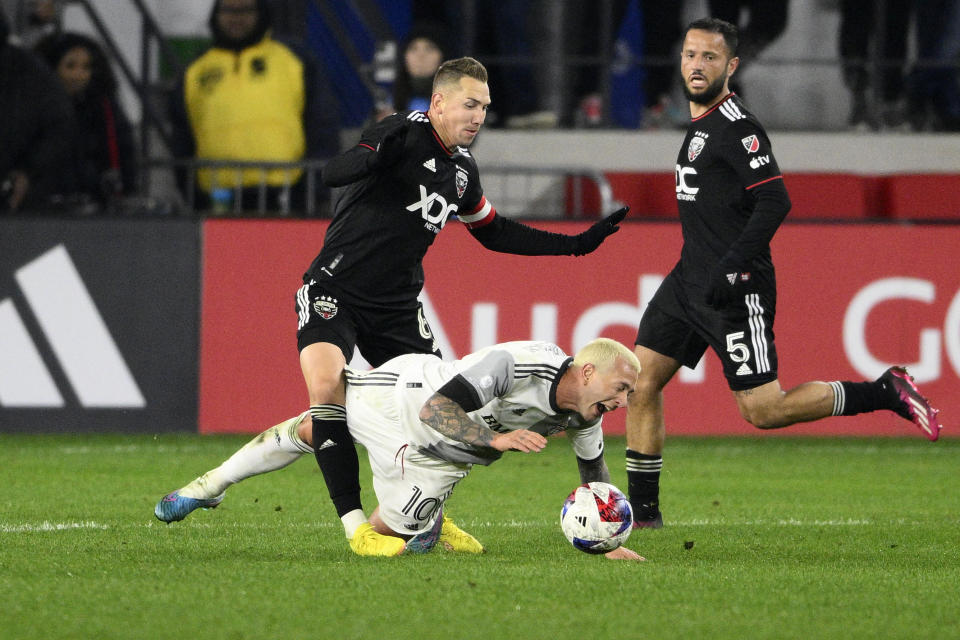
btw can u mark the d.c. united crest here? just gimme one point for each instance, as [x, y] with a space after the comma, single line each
[461, 182]
[325, 307]
[695, 147]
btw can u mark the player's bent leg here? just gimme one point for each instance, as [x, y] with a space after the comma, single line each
[274, 448]
[769, 407]
[322, 364]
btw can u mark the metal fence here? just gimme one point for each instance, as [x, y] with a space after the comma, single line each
[516, 191]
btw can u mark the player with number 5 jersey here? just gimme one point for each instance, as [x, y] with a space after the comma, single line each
[722, 293]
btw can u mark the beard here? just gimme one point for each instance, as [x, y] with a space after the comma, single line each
[708, 94]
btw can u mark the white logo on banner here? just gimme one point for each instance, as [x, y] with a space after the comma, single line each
[75, 331]
[928, 367]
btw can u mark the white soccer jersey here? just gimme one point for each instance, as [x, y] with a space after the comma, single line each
[516, 383]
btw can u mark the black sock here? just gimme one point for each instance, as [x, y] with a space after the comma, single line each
[643, 484]
[336, 456]
[851, 398]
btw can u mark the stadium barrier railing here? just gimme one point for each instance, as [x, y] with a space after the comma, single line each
[516, 190]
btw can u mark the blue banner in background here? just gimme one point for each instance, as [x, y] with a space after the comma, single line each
[627, 76]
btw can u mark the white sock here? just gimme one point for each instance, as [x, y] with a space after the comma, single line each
[352, 521]
[273, 449]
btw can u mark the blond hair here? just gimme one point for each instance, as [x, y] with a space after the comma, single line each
[603, 354]
[451, 71]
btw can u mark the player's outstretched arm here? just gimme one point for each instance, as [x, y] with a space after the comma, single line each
[447, 417]
[508, 236]
[593, 237]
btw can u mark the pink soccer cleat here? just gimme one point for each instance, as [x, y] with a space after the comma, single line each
[912, 405]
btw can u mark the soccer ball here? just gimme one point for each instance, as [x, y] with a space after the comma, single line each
[596, 517]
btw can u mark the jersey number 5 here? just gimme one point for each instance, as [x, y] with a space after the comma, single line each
[739, 352]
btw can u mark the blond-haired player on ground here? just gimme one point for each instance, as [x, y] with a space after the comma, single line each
[425, 422]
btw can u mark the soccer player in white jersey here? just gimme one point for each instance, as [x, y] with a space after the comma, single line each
[425, 422]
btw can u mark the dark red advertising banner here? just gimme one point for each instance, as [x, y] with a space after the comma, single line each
[852, 300]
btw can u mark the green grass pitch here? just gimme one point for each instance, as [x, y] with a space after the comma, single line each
[772, 537]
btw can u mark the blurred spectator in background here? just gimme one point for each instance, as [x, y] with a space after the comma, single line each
[760, 22]
[33, 20]
[252, 98]
[105, 157]
[503, 31]
[933, 86]
[661, 46]
[424, 48]
[35, 130]
[865, 25]
[583, 37]
[502, 41]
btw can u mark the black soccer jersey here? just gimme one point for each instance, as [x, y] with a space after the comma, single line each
[725, 162]
[385, 222]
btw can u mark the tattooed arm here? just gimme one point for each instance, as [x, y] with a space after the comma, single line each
[447, 417]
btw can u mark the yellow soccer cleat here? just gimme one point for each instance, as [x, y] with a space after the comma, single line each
[367, 542]
[453, 538]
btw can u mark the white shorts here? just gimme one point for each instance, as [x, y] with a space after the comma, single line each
[410, 487]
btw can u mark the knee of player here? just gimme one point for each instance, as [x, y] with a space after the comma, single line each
[325, 388]
[762, 416]
[305, 430]
[644, 392]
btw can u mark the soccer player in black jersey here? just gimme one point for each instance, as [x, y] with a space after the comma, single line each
[722, 293]
[406, 178]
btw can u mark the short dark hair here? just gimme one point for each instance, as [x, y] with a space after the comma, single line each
[452, 70]
[730, 33]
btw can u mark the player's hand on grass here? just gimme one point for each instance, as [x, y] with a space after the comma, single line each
[622, 553]
[593, 237]
[519, 440]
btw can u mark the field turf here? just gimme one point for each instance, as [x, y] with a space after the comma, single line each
[772, 537]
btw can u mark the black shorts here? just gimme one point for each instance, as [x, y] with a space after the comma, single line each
[379, 334]
[678, 323]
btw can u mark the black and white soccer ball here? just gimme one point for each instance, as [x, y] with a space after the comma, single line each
[596, 517]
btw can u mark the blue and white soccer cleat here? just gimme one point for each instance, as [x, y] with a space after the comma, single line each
[173, 506]
[425, 541]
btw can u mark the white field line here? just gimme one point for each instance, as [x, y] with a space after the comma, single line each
[47, 526]
[789, 522]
